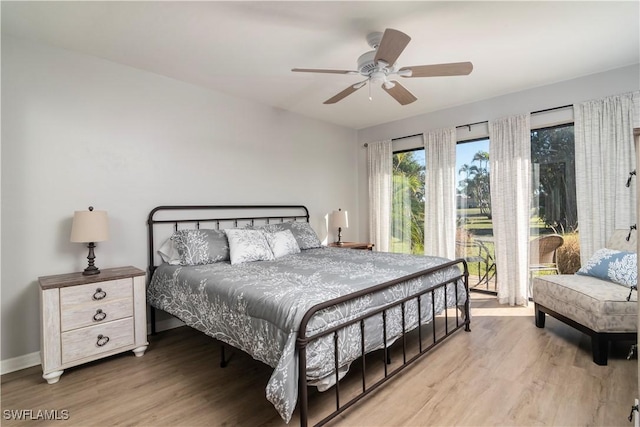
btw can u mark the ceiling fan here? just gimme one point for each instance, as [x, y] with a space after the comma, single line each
[379, 67]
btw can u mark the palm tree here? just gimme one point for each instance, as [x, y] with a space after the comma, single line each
[408, 202]
[476, 184]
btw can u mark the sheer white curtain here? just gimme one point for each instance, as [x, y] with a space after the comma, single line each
[510, 179]
[440, 194]
[401, 214]
[605, 154]
[380, 160]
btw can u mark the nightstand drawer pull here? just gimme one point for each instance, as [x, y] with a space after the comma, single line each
[102, 340]
[99, 316]
[99, 294]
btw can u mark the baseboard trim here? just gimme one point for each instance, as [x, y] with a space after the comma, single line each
[20, 362]
[33, 359]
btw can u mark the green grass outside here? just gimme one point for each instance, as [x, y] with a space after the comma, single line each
[481, 227]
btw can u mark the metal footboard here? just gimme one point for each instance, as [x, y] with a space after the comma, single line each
[304, 340]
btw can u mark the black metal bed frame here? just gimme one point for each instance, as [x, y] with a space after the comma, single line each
[303, 339]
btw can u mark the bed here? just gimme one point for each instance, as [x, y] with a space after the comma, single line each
[309, 311]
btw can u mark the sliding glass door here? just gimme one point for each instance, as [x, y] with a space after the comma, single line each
[553, 197]
[474, 234]
[407, 210]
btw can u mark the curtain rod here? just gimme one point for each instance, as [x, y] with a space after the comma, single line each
[366, 144]
[468, 125]
[533, 112]
[471, 124]
[408, 136]
[552, 109]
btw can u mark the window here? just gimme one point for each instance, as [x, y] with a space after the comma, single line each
[553, 201]
[474, 234]
[553, 174]
[407, 210]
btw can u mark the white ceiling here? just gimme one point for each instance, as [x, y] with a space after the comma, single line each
[247, 49]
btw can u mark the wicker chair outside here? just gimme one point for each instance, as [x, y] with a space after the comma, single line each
[542, 254]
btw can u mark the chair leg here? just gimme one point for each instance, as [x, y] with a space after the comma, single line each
[540, 318]
[600, 349]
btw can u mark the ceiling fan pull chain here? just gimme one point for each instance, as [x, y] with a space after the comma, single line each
[370, 97]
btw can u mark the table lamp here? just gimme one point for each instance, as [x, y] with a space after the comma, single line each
[340, 220]
[90, 227]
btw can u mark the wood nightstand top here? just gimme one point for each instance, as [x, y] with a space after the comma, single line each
[72, 279]
[353, 245]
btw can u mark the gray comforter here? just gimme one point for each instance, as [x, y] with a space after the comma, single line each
[257, 307]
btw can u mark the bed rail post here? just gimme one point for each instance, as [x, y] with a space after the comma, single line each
[303, 392]
[467, 305]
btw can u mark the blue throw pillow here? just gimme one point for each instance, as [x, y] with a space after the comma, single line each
[615, 266]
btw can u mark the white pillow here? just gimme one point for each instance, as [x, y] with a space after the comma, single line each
[282, 243]
[248, 245]
[169, 253]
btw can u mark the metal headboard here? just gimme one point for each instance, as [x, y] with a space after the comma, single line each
[213, 216]
[218, 217]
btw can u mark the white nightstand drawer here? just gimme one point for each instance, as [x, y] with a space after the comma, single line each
[88, 317]
[95, 313]
[96, 292]
[92, 340]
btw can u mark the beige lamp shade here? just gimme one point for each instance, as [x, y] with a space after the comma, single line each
[340, 219]
[90, 226]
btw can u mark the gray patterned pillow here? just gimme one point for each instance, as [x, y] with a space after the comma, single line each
[204, 246]
[302, 232]
[282, 243]
[248, 245]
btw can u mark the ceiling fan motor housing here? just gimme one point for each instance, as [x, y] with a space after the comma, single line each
[366, 64]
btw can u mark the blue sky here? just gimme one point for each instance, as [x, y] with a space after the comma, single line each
[464, 154]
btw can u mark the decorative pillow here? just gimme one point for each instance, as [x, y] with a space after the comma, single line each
[203, 246]
[302, 232]
[248, 245]
[615, 266]
[282, 243]
[169, 253]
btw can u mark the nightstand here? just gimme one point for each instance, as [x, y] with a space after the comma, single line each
[84, 318]
[353, 245]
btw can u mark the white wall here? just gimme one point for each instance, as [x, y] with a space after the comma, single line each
[80, 131]
[594, 86]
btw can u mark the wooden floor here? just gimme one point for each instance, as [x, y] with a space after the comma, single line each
[504, 372]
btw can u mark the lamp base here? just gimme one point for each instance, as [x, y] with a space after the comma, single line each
[91, 269]
[339, 242]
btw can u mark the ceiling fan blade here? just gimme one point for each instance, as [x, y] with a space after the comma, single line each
[400, 93]
[452, 69]
[391, 46]
[319, 70]
[348, 91]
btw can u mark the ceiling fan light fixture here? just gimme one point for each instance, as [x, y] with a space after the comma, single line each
[378, 77]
